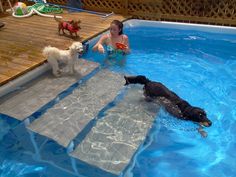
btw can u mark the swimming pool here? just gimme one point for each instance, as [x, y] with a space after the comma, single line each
[199, 64]
[196, 62]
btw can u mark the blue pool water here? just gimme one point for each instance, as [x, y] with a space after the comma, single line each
[197, 63]
[200, 66]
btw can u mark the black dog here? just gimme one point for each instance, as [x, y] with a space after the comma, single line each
[156, 89]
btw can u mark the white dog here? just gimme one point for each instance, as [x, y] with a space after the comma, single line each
[56, 57]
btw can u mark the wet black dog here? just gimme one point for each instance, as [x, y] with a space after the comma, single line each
[156, 89]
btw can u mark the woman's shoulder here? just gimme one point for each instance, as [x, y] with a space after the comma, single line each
[124, 36]
[104, 37]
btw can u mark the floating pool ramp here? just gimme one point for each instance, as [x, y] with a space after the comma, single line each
[100, 122]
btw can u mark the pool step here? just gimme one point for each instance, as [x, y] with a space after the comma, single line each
[40, 91]
[67, 118]
[114, 139]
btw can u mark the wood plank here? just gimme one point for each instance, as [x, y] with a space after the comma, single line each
[15, 66]
[24, 59]
[8, 71]
[3, 77]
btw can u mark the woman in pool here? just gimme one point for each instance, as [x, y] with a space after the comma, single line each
[116, 41]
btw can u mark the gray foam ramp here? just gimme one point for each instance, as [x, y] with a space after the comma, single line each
[42, 90]
[112, 142]
[67, 118]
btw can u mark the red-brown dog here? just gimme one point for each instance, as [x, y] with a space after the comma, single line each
[72, 26]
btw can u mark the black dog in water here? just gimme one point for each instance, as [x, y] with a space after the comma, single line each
[156, 89]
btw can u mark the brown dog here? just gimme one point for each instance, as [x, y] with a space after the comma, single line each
[72, 26]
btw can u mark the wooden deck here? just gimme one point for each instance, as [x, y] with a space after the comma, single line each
[22, 40]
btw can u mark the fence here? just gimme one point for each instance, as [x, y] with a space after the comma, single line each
[222, 12]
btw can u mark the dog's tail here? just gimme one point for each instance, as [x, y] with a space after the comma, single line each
[57, 19]
[136, 80]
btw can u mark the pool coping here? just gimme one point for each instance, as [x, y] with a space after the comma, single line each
[182, 26]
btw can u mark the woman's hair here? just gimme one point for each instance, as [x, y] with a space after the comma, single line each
[119, 24]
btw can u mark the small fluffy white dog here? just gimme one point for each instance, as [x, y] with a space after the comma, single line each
[56, 57]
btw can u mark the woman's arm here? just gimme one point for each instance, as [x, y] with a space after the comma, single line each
[99, 45]
[126, 42]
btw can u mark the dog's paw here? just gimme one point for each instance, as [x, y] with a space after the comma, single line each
[148, 99]
[71, 72]
[202, 132]
[57, 73]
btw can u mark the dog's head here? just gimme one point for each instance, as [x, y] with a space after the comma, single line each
[199, 115]
[136, 80]
[77, 47]
[75, 24]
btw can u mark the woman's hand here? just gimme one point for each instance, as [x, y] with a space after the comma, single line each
[101, 49]
[127, 50]
[126, 42]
